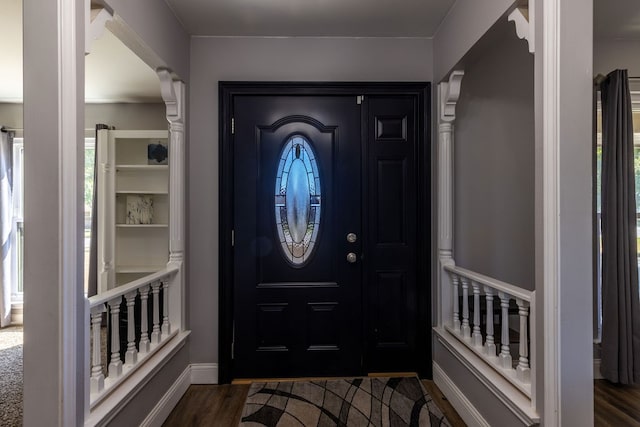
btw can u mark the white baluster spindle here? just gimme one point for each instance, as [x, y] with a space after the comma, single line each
[97, 377]
[155, 334]
[505, 355]
[131, 356]
[523, 372]
[466, 330]
[166, 325]
[490, 345]
[144, 320]
[477, 335]
[115, 366]
[455, 281]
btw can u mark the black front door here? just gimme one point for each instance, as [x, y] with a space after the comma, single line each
[327, 192]
[297, 196]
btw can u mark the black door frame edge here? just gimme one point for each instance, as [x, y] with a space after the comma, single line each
[226, 91]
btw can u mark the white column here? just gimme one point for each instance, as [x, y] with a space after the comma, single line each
[131, 356]
[144, 322]
[448, 93]
[155, 333]
[523, 371]
[173, 94]
[97, 377]
[455, 282]
[466, 330]
[477, 335]
[490, 346]
[505, 355]
[166, 324]
[115, 366]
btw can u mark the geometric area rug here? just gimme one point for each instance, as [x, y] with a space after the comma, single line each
[368, 401]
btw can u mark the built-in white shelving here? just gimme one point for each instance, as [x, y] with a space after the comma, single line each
[133, 207]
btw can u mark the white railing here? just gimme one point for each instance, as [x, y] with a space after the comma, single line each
[491, 300]
[148, 296]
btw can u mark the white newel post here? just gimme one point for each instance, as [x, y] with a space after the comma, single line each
[448, 94]
[144, 320]
[115, 366]
[505, 354]
[131, 356]
[477, 335]
[490, 346]
[173, 94]
[523, 371]
[97, 377]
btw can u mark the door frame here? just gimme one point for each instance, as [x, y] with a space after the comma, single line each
[227, 92]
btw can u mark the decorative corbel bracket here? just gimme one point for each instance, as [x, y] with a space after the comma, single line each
[172, 94]
[449, 95]
[97, 22]
[523, 18]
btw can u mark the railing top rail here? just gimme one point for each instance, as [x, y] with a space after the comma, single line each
[138, 283]
[496, 284]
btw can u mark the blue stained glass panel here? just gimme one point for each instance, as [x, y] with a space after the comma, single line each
[297, 200]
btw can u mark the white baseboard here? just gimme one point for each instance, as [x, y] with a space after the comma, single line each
[597, 375]
[458, 400]
[196, 373]
[163, 408]
[204, 373]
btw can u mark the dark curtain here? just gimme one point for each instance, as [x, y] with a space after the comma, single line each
[620, 300]
[93, 249]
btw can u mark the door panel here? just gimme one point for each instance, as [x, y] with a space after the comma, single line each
[392, 225]
[306, 318]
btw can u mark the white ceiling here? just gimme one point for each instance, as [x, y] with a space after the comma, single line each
[326, 18]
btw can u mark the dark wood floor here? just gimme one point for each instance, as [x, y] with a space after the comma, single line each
[221, 405]
[616, 405]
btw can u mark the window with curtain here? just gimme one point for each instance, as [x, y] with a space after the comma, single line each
[18, 213]
[635, 99]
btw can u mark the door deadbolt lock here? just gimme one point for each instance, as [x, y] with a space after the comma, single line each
[351, 237]
[351, 257]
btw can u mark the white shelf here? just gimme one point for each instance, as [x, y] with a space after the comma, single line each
[131, 250]
[142, 225]
[141, 168]
[141, 192]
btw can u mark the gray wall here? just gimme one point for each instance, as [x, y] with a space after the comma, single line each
[215, 59]
[609, 55]
[464, 25]
[494, 164]
[122, 116]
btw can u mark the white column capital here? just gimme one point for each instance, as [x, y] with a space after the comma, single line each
[449, 93]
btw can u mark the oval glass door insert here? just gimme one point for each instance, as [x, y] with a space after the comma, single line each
[297, 200]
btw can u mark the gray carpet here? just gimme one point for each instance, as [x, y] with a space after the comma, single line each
[11, 376]
[375, 402]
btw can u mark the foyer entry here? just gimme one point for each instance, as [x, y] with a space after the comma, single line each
[324, 193]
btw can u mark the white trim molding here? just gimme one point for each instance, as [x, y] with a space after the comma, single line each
[97, 22]
[204, 373]
[196, 373]
[168, 402]
[523, 18]
[463, 406]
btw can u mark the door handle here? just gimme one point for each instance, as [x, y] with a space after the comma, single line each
[351, 257]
